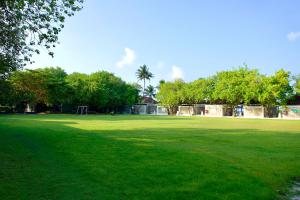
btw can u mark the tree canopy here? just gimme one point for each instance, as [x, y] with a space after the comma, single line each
[170, 94]
[150, 91]
[235, 87]
[297, 84]
[275, 89]
[27, 25]
[231, 87]
[101, 91]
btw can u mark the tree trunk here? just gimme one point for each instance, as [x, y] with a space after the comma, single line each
[233, 111]
[144, 88]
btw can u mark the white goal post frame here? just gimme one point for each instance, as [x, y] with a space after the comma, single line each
[82, 109]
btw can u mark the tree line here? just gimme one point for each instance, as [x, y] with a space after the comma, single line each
[55, 90]
[233, 87]
[52, 89]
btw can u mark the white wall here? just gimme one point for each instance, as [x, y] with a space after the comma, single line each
[185, 110]
[291, 112]
[161, 110]
[140, 109]
[254, 111]
[214, 110]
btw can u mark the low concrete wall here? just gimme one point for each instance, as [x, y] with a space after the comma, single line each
[227, 110]
[140, 109]
[214, 110]
[291, 112]
[185, 110]
[151, 109]
[199, 109]
[161, 110]
[254, 111]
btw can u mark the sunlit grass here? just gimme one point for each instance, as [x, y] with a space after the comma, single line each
[146, 157]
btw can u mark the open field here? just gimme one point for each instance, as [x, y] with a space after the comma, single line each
[146, 157]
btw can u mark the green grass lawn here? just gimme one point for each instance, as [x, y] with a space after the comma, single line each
[146, 157]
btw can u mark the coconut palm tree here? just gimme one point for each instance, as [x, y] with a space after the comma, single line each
[144, 74]
[150, 91]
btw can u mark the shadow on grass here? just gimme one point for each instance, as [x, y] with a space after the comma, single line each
[99, 117]
[51, 160]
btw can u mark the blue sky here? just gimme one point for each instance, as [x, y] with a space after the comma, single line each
[185, 38]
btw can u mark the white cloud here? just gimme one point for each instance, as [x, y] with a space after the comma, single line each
[127, 59]
[292, 36]
[177, 73]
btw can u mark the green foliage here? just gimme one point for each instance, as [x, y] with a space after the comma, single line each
[233, 87]
[101, 91]
[79, 91]
[161, 82]
[297, 84]
[198, 91]
[107, 90]
[54, 84]
[27, 25]
[275, 89]
[179, 92]
[5, 92]
[45, 86]
[150, 91]
[170, 94]
[104, 92]
[144, 74]
[27, 86]
[131, 96]
[236, 86]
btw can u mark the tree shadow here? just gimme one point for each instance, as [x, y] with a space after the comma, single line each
[54, 159]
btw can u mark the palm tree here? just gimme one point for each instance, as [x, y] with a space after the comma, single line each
[144, 74]
[150, 91]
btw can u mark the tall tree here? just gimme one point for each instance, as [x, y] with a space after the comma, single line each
[236, 86]
[54, 80]
[28, 86]
[297, 84]
[101, 91]
[150, 91]
[79, 88]
[275, 89]
[131, 96]
[144, 74]
[161, 82]
[45, 86]
[27, 25]
[170, 94]
[198, 91]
